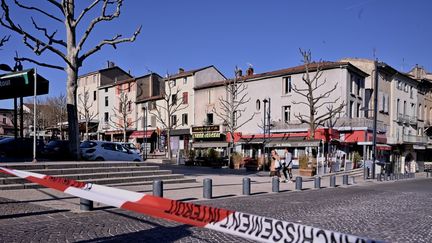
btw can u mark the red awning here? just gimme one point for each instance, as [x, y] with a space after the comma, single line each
[140, 134]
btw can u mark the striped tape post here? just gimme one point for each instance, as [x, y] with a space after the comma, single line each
[244, 225]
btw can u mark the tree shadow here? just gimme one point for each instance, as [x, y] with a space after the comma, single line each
[20, 215]
[158, 233]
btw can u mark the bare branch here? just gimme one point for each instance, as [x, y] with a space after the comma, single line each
[38, 10]
[40, 46]
[82, 14]
[57, 4]
[102, 17]
[50, 38]
[4, 40]
[39, 63]
[115, 40]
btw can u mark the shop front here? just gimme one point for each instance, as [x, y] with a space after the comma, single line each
[207, 137]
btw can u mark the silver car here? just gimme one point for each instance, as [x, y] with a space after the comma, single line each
[102, 150]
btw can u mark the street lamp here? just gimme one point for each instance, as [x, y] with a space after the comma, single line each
[145, 133]
[375, 121]
[264, 135]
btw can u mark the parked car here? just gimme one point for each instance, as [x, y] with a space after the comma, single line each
[131, 147]
[19, 147]
[102, 150]
[56, 150]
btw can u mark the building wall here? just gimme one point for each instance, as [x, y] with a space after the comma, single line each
[273, 88]
[108, 91]
[90, 84]
[401, 92]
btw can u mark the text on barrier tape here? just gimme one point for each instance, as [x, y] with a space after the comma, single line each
[244, 225]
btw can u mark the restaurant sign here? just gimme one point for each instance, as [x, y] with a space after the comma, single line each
[205, 129]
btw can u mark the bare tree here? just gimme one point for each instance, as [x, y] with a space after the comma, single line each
[165, 113]
[121, 115]
[57, 104]
[70, 51]
[313, 90]
[232, 105]
[85, 110]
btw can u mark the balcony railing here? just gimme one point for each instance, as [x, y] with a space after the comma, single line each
[360, 122]
[414, 139]
[406, 119]
[413, 120]
[400, 118]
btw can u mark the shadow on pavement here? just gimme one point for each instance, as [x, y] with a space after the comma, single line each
[223, 196]
[20, 215]
[158, 233]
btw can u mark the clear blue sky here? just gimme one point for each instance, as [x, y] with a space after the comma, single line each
[266, 34]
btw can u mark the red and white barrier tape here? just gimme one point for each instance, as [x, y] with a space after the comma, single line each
[244, 225]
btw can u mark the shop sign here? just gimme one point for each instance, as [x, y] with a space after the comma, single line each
[205, 129]
[206, 135]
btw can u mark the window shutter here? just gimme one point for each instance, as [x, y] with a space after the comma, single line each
[380, 101]
[386, 103]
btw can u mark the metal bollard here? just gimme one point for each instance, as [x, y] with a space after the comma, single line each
[275, 184]
[317, 183]
[86, 205]
[207, 188]
[246, 186]
[345, 179]
[392, 177]
[379, 177]
[332, 181]
[158, 188]
[428, 174]
[368, 173]
[298, 181]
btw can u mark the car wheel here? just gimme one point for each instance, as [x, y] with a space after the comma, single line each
[99, 159]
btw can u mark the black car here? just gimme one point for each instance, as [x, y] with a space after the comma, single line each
[56, 150]
[19, 147]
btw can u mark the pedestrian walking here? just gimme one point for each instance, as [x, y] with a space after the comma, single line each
[275, 165]
[287, 165]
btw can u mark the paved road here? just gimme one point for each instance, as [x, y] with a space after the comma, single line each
[391, 211]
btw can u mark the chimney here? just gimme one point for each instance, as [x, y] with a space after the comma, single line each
[181, 70]
[250, 71]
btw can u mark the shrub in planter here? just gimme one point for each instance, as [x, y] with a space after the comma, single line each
[305, 170]
[236, 160]
[356, 159]
[303, 161]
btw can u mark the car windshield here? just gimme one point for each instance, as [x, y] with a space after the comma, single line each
[130, 146]
[88, 144]
[6, 140]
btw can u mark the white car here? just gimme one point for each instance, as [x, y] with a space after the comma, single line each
[102, 150]
[131, 147]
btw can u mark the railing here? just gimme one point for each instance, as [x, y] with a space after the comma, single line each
[414, 139]
[406, 119]
[400, 118]
[360, 122]
[413, 120]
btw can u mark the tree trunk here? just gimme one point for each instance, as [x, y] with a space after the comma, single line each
[71, 84]
[72, 113]
[168, 141]
[124, 135]
[86, 132]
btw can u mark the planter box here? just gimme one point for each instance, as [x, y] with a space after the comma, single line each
[307, 172]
